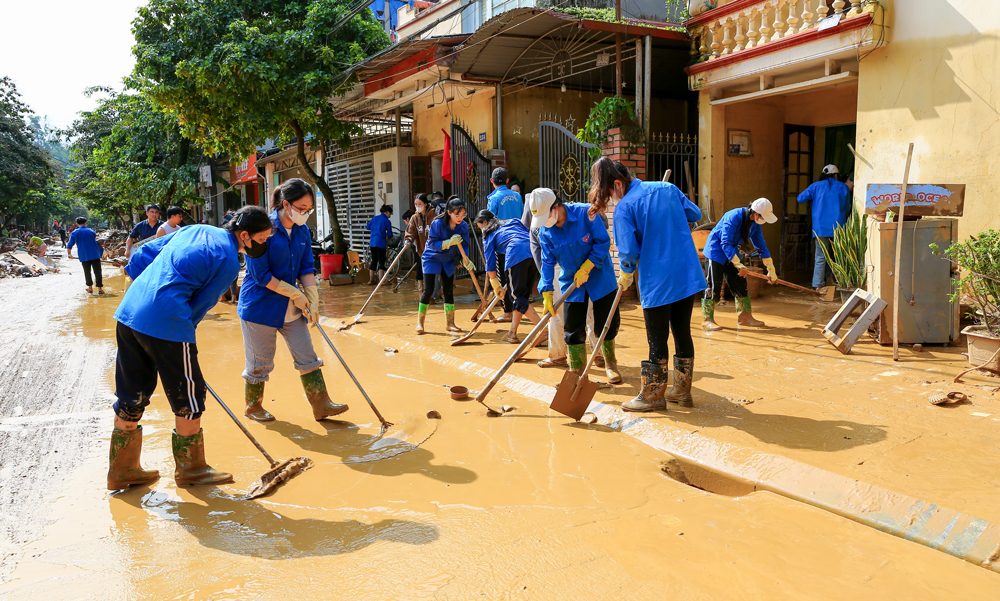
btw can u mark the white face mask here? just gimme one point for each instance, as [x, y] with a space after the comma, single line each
[296, 217]
[553, 218]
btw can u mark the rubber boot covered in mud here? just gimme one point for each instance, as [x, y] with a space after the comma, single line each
[680, 391]
[449, 315]
[255, 409]
[708, 316]
[576, 356]
[654, 382]
[189, 459]
[315, 387]
[744, 314]
[610, 362]
[123, 462]
[421, 317]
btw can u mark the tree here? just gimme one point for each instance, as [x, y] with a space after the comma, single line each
[25, 172]
[237, 73]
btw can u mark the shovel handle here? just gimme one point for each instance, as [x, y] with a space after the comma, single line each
[597, 347]
[242, 427]
[481, 319]
[382, 281]
[783, 283]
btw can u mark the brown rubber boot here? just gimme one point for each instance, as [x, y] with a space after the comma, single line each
[654, 382]
[680, 391]
[449, 315]
[123, 461]
[610, 362]
[315, 387]
[189, 459]
[745, 317]
[254, 397]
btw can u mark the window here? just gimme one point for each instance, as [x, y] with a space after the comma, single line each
[501, 6]
[471, 17]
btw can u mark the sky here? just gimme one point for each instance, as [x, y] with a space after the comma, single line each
[55, 49]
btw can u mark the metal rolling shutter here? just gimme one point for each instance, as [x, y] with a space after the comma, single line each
[353, 185]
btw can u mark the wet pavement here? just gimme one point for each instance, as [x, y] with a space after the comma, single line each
[524, 506]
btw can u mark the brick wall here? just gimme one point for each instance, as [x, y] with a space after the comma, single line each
[624, 145]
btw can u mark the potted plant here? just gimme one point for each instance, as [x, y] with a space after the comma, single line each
[608, 113]
[979, 260]
[850, 242]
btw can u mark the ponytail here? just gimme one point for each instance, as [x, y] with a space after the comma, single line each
[603, 176]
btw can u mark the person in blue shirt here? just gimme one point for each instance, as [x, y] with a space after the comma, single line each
[510, 239]
[271, 303]
[144, 229]
[89, 252]
[176, 280]
[722, 249]
[381, 230]
[831, 206]
[654, 240]
[505, 204]
[447, 231]
[572, 236]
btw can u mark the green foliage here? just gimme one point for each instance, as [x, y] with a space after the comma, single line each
[979, 258]
[850, 242]
[676, 13]
[26, 175]
[608, 113]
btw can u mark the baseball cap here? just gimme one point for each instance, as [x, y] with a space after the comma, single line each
[830, 170]
[762, 207]
[540, 202]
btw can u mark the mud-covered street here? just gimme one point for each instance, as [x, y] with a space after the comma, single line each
[525, 506]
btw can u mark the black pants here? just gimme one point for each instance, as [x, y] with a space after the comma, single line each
[576, 318]
[508, 303]
[718, 271]
[141, 359]
[95, 266]
[420, 266]
[447, 287]
[660, 320]
[522, 278]
[378, 259]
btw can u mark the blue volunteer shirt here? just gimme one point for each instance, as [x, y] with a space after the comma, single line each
[725, 237]
[653, 236]
[512, 240]
[580, 238]
[85, 241]
[177, 279]
[143, 230]
[831, 204]
[439, 261]
[505, 203]
[288, 258]
[381, 229]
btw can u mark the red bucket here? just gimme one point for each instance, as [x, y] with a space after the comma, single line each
[330, 265]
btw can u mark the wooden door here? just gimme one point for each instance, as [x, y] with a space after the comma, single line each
[420, 177]
[796, 219]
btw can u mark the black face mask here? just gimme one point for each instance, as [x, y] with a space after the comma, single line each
[255, 250]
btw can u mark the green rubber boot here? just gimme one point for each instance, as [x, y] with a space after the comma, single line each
[123, 461]
[315, 387]
[708, 316]
[421, 316]
[189, 459]
[254, 398]
[610, 362]
[449, 315]
[576, 355]
[744, 314]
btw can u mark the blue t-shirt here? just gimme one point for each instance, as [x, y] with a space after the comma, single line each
[381, 229]
[653, 236]
[725, 237]
[178, 278]
[439, 261]
[578, 239]
[512, 240]
[85, 240]
[287, 258]
[505, 203]
[831, 204]
[143, 230]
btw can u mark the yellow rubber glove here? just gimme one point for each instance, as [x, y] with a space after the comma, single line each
[312, 296]
[547, 303]
[453, 241]
[497, 289]
[467, 264]
[583, 274]
[737, 263]
[294, 294]
[771, 273]
[625, 279]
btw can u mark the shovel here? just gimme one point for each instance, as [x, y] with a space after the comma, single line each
[475, 281]
[574, 393]
[357, 317]
[280, 470]
[826, 292]
[492, 304]
[395, 288]
[521, 349]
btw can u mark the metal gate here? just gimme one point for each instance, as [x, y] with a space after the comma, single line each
[670, 151]
[353, 185]
[470, 180]
[564, 162]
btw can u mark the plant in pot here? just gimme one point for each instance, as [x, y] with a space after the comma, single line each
[608, 113]
[979, 284]
[847, 261]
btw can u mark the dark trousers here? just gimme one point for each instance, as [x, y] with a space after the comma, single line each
[508, 302]
[141, 359]
[378, 259]
[719, 271]
[522, 278]
[420, 267]
[447, 286]
[660, 320]
[93, 265]
[576, 318]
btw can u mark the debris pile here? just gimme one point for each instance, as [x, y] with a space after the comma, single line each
[113, 242]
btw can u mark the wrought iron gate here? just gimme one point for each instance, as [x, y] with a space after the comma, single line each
[470, 180]
[669, 151]
[564, 162]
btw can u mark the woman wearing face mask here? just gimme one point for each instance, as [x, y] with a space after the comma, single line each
[271, 303]
[572, 236]
[416, 234]
[652, 236]
[722, 249]
[447, 231]
[176, 280]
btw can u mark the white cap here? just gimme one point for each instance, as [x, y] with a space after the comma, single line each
[830, 170]
[762, 207]
[540, 202]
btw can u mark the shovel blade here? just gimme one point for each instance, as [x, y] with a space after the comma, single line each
[828, 292]
[563, 401]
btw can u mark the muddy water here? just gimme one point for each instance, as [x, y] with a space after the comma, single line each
[525, 506]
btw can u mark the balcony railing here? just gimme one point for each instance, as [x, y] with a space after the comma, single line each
[740, 25]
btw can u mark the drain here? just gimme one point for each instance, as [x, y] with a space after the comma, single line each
[705, 479]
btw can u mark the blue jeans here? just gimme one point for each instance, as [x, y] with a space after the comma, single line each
[821, 269]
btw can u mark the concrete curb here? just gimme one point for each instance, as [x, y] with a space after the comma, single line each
[718, 466]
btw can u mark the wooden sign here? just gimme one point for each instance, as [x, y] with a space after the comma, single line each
[941, 200]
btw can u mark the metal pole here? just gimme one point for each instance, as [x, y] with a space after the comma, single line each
[899, 250]
[499, 95]
[647, 79]
[618, 50]
[399, 126]
[640, 97]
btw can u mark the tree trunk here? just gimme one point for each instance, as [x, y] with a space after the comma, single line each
[339, 244]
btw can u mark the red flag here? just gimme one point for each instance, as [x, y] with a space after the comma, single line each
[446, 161]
